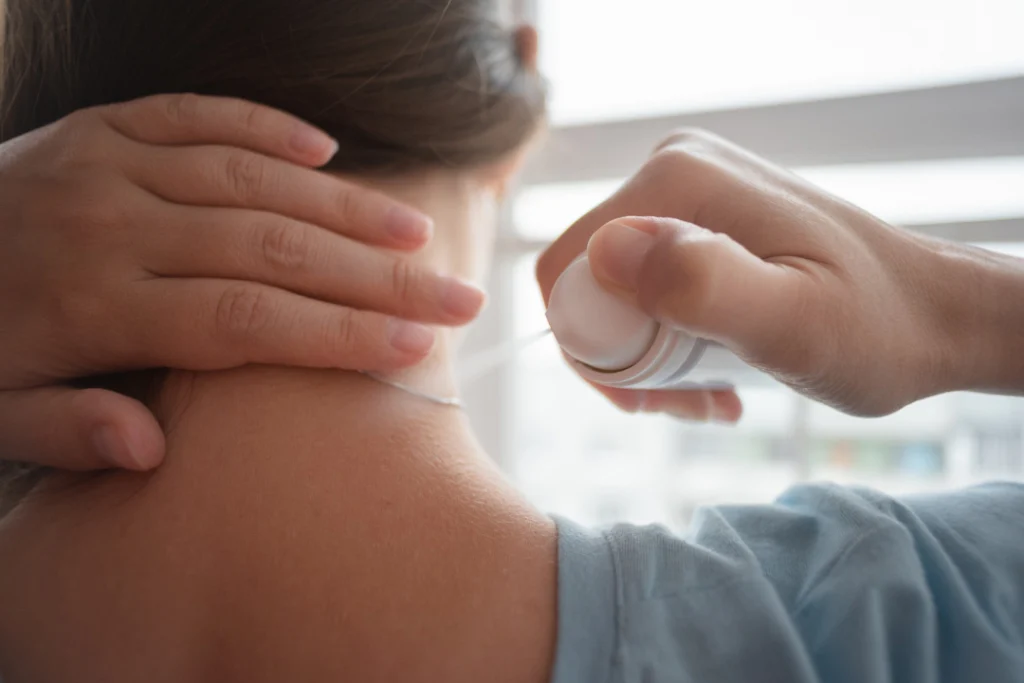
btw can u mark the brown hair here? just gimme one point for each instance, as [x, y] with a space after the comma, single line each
[401, 84]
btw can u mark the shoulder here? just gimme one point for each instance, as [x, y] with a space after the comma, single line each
[821, 580]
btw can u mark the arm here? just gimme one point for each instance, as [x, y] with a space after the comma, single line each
[819, 293]
[982, 301]
[829, 584]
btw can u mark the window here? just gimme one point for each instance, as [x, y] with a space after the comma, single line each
[609, 60]
[910, 108]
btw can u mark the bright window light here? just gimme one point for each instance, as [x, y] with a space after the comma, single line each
[607, 59]
[925, 192]
[915, 193]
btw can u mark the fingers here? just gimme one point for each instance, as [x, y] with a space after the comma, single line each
[573, 242]
[722, 407]
[223, 177]
[697, 178]
[78, 430]
[207, 324]
[700, 281]
[663, 187]
[187, 119]
[566, 249]
[717, 406]
[308, 260]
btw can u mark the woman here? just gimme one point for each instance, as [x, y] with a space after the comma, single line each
[432, 105]
[315, 525]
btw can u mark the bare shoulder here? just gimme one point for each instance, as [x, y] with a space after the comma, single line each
[291, 529]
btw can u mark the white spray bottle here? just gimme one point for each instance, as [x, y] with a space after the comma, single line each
[615, 344]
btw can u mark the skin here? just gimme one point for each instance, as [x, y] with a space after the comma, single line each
[818, 293]
[191, 232]
[307, 524]
[319, 525]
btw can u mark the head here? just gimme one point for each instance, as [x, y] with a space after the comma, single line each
[405, 86]
[413, 90]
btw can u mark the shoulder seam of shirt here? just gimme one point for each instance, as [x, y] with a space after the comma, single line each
[615, 656]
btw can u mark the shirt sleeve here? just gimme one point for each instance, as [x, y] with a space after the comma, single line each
[828, 584]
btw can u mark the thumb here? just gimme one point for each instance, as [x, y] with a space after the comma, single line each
[78, 429]
[692, 278]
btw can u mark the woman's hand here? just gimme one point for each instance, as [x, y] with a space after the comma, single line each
[820, 294]
[194, 233]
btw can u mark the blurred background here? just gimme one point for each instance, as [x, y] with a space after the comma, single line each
[913, 109]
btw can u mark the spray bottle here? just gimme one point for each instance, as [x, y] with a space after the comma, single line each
[615, 344]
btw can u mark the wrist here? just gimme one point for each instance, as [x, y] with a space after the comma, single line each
[977, 303]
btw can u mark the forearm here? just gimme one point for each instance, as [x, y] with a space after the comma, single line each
[979, 297]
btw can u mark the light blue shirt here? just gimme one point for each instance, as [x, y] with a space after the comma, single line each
[829, 584]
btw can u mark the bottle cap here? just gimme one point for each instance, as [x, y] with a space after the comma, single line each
[614, 343]
[594, 326]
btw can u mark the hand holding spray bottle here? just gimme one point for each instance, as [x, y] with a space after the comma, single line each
[615, 344]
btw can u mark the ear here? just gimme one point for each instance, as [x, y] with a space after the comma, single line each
[527, 46]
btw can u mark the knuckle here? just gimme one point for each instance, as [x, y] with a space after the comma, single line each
[403, 279]
[285, 247]
[78, 122]
[245, 175]
[83, 139]
[669, 163]
[672, 159]
[91, 209]
[347, 206]
[700, 170]
[344, 331]
[689, 137]
[688, 149]
[181, 109]
[74, 313]
[251, 117]
[243, 312]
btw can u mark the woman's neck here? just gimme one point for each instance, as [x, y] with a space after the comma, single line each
[383, 500]
[462, 213]
[306, 524]
[313, 525]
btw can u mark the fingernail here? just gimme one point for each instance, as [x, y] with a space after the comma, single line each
[113, 448]
[411, 338]
[314, 142]
[622, 253]
[460, 299]
[409, 226]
